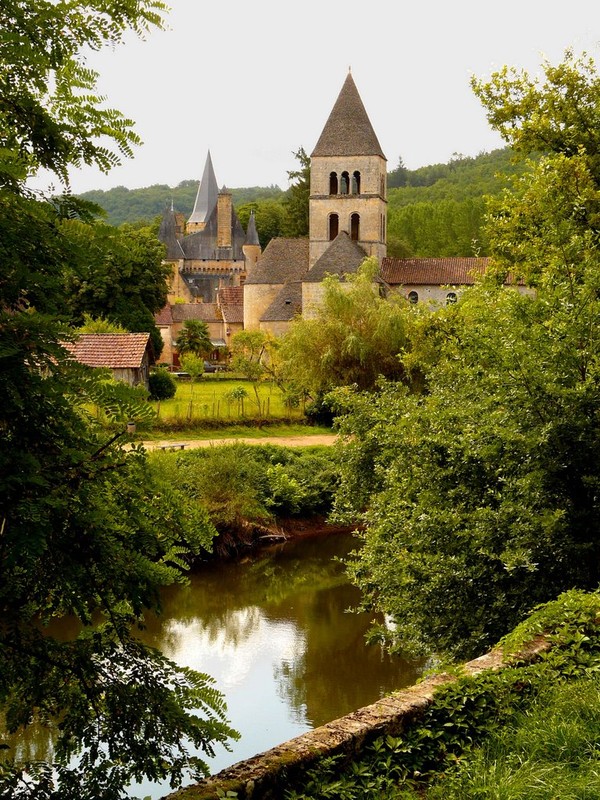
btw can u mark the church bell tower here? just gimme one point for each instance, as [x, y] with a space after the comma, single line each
[348, 180]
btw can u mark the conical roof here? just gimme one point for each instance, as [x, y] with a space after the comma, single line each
[208, 191]
[348, 131]
[251, 233]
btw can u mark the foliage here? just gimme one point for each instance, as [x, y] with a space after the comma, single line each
[355, 337]
[85, 528]
[269, 217]
[297, 196]
[194, 338]
[133, 205]
[161, 384]
[241, 482]
[99, 325]
[115, 273]
[482, 492]
[193, 365]
[50, 114]
[434, 754]
[252, 356]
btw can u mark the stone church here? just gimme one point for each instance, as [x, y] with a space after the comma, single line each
[214, 260]
[210, 251]
[347, 220]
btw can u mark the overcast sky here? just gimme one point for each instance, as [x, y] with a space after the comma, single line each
[253, 81]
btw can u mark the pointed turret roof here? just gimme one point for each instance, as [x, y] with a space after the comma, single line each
[251, 234]
[208, 191]
[348, 131]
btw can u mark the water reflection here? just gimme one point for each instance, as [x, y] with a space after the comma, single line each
[274, 633]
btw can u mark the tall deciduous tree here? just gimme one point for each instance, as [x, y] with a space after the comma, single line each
[356, 337]
[483, 493]
[297, 198]
[85, 527]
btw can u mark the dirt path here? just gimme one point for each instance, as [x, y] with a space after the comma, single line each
[285, 441]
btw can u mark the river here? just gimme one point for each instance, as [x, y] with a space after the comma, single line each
[274, 631]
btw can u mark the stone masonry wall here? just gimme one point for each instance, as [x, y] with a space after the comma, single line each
[265, 775]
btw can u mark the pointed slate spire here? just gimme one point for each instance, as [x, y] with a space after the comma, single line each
[251, 234]
[208, 191]
[348, 131]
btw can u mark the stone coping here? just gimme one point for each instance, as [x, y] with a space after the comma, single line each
[263, 776]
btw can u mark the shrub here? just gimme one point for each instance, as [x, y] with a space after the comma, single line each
[161, 384]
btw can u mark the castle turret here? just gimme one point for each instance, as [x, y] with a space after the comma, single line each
[348, 179]
[251, 247]
[206, 199]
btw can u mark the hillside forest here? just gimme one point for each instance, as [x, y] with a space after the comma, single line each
[434, 211]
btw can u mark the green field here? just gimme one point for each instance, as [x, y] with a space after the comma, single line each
[225, 400]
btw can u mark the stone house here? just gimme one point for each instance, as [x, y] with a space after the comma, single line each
[435, 281]
[127, 355]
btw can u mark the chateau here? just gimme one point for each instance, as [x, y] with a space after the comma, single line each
[210, 252]
[220, 274]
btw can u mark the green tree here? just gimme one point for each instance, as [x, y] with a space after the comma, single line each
[118, 274]
[482, 493]
[270, 217]
[355, 338]
[297, 197]
[99, 325]
[253, 356]
[85, 527]
[194, 338]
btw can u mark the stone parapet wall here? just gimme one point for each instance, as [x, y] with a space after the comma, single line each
[264, 776]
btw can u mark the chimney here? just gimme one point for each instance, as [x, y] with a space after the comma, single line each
[224, 216]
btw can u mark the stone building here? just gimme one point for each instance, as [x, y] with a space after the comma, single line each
[347, 220]
[127, 355]
[211, 250]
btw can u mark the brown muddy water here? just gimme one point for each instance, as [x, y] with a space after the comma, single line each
[275, 633]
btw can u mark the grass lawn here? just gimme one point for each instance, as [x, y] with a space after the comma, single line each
[224, 400]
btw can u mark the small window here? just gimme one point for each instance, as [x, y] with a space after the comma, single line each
[333, 183]
[334, 226]
[356, 182]
[355, 227]
[451, 298]
[413, 297]
[345, 183]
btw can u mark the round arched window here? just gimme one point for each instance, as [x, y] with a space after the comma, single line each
[451, 298]
[413, 297]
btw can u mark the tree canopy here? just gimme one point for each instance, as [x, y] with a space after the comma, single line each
[481, 493]
[85, 527]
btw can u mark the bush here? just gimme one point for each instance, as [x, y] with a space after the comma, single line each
[162, 385]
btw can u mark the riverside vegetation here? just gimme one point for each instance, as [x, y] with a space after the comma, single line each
[474, 469]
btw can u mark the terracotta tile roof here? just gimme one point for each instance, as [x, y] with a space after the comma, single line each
[114, 350]
[286, 305]
[164, 316]
[432, 271]
[342, 257]
[283, 260]
[207, 312]
[348, 131]
[233, 312]
[231, 295]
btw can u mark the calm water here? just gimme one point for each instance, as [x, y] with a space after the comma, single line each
[275, 634]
